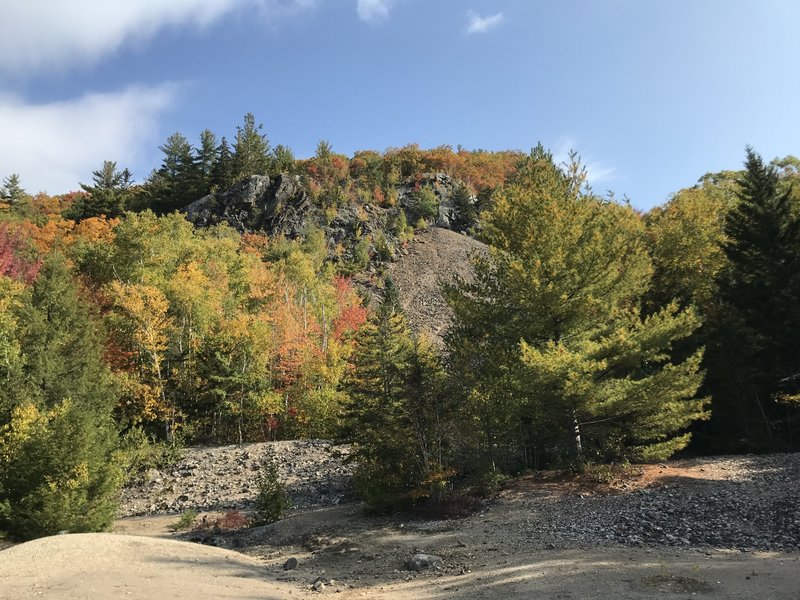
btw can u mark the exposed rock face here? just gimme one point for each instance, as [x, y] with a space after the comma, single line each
[443, 186]
[279, 205]
[282, 206]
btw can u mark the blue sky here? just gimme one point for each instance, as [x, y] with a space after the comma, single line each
[652, 95]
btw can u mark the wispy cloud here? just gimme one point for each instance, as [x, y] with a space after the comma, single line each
[479, 24]
[373, 10]
[57, 145]
[43, 34]
[596, 172]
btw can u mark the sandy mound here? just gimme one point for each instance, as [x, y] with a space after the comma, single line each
[102, 565]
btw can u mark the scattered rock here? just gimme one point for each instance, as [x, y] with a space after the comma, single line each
[290, 564]
[213, 483]
[420, 562]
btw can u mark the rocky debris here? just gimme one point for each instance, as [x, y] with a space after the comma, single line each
[435, 257]
[290, 564]
[745, 503]
[751, 505]
[226, 478]
[319, 584]
[421, 562]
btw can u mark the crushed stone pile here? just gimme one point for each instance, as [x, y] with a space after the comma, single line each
[314, 473]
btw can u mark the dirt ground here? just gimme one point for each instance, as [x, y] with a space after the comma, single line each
[490, 554]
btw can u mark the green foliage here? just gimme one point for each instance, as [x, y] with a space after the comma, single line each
[423, 205]
[108, 196]
[552, 358]
[139, 452]
[397, 417]
[756, 331]
[250, 150]
[222, 174]
[686, 237]
[464, 214]
[58, 468]
[11, 190]
[382, 247]
[272, 500]
[206, 159]
[400, 227]
[283, 160]
[186, 520]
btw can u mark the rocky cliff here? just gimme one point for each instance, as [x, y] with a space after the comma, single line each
[361, 237]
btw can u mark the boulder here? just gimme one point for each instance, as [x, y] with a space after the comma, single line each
[420, 562]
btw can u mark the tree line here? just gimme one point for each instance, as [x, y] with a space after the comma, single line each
[590, 333]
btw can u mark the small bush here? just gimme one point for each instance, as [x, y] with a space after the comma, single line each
[383, 248]
[423, 205]
[272, 499]
[232, 519]
[139, 453]
[186, 520]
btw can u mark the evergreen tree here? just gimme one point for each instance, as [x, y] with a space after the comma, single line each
[548, 344]
[396, 417]
[222, 176]
[107, 196]
[251, 150]
[283, 160]
[57, 441]
[12, 191]
[206, 159]
[464, 214]
[760, 289]
[179, 181]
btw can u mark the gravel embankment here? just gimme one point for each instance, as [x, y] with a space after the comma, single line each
[226, 477]
[746, 503]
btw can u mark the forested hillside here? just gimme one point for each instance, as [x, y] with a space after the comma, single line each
[240, 294]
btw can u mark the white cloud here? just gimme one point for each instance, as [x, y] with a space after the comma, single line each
[51, 34]
[596, 172]
[373, 10]
[57, 145]
[479, 24]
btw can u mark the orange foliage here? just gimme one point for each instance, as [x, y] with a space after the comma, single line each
[351, 314]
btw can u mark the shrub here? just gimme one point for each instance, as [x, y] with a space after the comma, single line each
[272, 499]
[139, 453]
[423, 205]
[232, 519]
[186, 520]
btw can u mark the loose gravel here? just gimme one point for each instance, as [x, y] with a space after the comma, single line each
[314, 473]
[746, 503]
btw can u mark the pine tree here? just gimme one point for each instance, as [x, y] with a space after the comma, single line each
[107, 196]
[395, 416]
[57, 441]
[178, 182]
[12, 191]
[206, 158]
[283, 160]
[251, 150]
[464, 214]
[760, 288]
[222, 176]
[548, 344]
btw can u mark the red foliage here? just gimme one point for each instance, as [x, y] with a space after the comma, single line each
[12, 264]
[351, 314]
